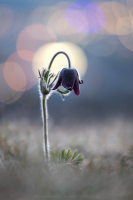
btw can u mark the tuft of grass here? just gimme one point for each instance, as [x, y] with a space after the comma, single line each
[65, 157]
[11, 152]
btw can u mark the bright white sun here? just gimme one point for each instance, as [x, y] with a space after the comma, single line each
[44, 55]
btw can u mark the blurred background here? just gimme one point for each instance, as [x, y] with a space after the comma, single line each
[98, 37]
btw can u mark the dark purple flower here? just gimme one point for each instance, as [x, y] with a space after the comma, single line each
[69, 78]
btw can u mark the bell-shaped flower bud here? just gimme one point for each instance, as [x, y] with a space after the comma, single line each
[69, 78]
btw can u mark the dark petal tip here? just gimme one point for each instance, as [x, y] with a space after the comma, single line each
[77, 91]
[76, 88]
[81, 81]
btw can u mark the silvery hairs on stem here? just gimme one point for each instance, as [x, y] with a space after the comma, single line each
[68, 80]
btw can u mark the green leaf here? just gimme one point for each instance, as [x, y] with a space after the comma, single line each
[75, 154]
[53, 156]
[46, 76]
[63, 154]
[63, 92]
[68, 155]
[50, 76]
[54, 79]
[78, 160]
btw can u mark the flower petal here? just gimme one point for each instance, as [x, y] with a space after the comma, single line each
[58, 81]
[81, 81]
[68, 78]
[76, 83]
[76, 87]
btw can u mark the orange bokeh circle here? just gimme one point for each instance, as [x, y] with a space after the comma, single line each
[34, 36]
[18, 73]
[7, 94]
[14, 76]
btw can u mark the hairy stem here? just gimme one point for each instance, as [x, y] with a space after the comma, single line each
[45, 128]
[44, 90]
[59, 52]
[69, 62]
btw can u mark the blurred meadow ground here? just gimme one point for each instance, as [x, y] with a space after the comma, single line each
[107, 170]
[98, 37]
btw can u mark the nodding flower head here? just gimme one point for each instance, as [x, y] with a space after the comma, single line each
[69, 78]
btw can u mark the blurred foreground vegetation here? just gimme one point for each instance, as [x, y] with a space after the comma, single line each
[24, 177]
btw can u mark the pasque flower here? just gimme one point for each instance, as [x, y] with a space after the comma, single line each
[69, 78]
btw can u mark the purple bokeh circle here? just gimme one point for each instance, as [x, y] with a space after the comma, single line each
[85, 16]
